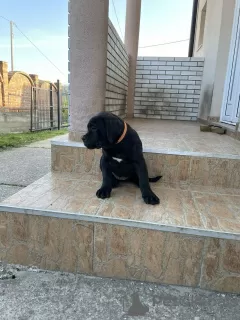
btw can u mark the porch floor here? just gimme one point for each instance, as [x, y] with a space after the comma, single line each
[182, 205]
[182, 136]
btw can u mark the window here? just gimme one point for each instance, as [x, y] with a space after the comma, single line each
[202, 25]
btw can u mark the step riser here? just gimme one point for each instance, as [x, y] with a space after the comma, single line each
[198, 170]
[123, 252]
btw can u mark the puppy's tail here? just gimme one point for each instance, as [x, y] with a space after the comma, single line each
[156, 179]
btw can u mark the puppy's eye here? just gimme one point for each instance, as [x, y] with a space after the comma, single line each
[92, 127]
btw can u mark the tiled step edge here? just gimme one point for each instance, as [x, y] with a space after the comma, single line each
[69, 143]
[110, 248]
[121, 222]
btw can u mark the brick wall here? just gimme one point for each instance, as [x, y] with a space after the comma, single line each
[168, 88]
[15, 89]
[3, 82]
[15, 101]
[1, 90]
[117, 73]
[19, 91]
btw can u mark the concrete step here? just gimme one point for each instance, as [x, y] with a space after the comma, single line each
[192, 238]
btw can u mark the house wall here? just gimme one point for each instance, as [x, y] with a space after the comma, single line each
[168, 88]
[215, 50]
[117, 73]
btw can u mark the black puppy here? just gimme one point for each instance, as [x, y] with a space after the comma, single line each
[122, 155]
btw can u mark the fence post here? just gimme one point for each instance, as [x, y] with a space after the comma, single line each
[51, 105]
[31, 128]
[59, 104]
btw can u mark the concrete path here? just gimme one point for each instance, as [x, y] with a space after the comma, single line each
[60, 296]
[19, 167]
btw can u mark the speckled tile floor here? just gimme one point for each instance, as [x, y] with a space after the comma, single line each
[183, 136]
[199, 207]
[180, 137]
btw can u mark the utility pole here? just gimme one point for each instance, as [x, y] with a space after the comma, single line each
[11, 37]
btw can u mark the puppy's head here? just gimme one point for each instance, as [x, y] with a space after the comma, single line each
[104, 131]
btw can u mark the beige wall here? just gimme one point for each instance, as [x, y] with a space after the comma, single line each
[215, 50]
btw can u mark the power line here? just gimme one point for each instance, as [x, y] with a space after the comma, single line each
[163, 44]
[117, 17]
[5, 18]
[39, 50]
[34, 45]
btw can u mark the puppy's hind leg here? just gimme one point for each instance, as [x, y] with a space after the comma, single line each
[134, 179]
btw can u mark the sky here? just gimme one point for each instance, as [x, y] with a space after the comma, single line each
[45, 23]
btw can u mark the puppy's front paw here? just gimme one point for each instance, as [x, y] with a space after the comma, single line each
[151, 198]
[104, 192]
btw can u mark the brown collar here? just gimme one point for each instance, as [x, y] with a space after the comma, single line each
[123, 134]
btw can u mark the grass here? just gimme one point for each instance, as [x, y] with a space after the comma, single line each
[14, 140]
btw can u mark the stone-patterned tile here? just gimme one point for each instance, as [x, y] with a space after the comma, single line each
[214, 210]
[20, 227]
[211, 261]
[153, 255]
[231, 256]
[35, 238]
[115, 267]
[137, 240]
[220, 270]
[68, 246]
[51, 238]
[68, 203]
[92, 206]
[229, 226]
[227, 284]
[118, 240]
[4, 234]
[121, 252]
[101, 236]
[182, 204]
[18, 253]
[147, 255]
[193, 217]
[210, 172]
[173, 168]
[63, 158]
[84, 242]
[182, 260]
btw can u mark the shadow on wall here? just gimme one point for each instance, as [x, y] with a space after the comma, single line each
[206, 103]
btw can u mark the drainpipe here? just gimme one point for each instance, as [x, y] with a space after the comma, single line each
[193, 28]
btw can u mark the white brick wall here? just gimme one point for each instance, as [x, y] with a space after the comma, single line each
[168, 88]
[117, 74]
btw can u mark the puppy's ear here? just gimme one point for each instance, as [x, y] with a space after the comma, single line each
[109, 126]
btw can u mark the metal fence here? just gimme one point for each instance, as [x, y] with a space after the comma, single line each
[65, 107]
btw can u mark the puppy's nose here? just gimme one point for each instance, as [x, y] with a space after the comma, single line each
[83, 138]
